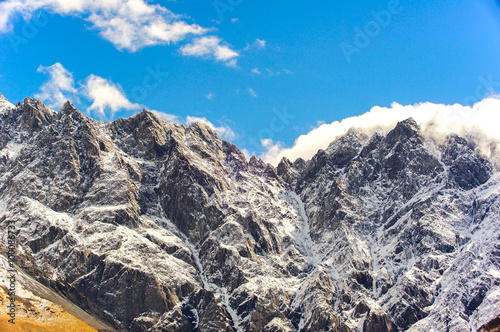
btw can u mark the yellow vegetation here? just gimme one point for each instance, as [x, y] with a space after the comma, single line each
[34, 314]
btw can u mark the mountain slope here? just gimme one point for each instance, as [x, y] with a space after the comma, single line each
[38, 308]
[153, 226]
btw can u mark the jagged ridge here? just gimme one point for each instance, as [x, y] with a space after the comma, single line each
[154, 226]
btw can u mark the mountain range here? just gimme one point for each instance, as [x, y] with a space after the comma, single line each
[146, 225]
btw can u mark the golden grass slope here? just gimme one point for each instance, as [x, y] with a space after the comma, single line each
[38, 315]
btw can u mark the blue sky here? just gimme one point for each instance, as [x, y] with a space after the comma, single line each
[261, 72]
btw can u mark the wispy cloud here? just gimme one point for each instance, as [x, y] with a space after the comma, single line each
[436, 119]
[256, 71]
[260, 43]
[211, 46]
[225, 132]
[58, 88]
[166, 116]
[257, 44]
[247, 153]
[252, 93]
[272, 73]
[210, 95]
[235, 20]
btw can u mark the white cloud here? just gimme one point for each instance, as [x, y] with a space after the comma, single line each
[277, 73]
[247, 153]
[224, 132]
[166, 116]
[256, 71]
[106, 95]
[252, 93]
[235, 20]
[266, 142]
[272, 73]
[59, 88]
[232, 63]
[436, 119]
[260, 43]
[257, 44]
[210, 46]
[128, 24]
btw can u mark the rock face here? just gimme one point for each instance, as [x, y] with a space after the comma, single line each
[153, 226]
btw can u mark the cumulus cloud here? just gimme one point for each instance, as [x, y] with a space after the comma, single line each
[59, 88]
[106, 95]
[128, 24]
[106, 98]
[211, 46]
[224, 132]
[437, 120]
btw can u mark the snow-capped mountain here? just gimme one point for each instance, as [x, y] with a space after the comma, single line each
[153, 226]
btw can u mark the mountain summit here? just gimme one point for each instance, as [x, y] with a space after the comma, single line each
[155, 226]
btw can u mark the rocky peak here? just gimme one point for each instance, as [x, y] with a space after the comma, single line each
[258, 167]
[4, 103]
[202, 132]
[299, 164]
[354, 138]
[286, 171]
[70, 110]
[145, 135]
[468, 169]
[284, 165]
[147, 117]
[235, 159]
[35, 114]
[256, 163]
[404, 131]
